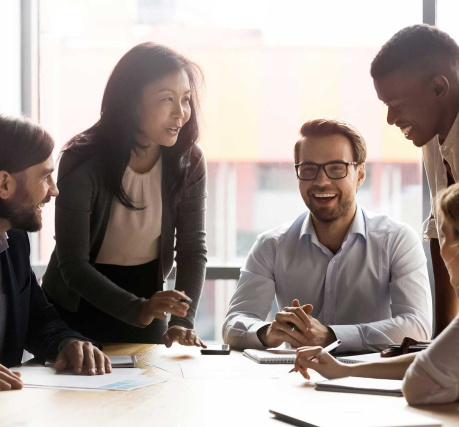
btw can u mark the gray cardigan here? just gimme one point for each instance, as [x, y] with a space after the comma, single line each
[82, 213]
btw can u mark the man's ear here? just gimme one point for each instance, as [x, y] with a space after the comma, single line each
[361, 173]
[7, 185]
[440, 85]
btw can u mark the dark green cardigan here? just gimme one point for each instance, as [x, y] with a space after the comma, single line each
[82, 213]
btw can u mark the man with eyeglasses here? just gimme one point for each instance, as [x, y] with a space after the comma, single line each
[339, 271]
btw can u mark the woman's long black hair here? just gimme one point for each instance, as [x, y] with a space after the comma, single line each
[113, 138]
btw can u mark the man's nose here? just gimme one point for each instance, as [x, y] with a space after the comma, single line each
[322, 177]
[391, 116]
[52, 190]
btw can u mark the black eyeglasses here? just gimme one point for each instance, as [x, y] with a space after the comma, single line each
[308, 171]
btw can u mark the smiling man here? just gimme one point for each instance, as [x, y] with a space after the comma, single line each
[339, 271]
[27, 320]
[416, 74]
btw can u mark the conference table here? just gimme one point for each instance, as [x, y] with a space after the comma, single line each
[228, 397]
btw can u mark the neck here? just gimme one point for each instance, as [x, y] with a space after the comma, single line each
[144, 160]
[448, 118]
[332, 234]
[4, 225]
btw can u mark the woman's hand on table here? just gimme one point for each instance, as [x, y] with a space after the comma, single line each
[160, 304]
[182, 336]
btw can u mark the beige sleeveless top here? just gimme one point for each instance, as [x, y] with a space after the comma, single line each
[133, 237]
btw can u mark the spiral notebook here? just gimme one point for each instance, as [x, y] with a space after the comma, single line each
[286, 356]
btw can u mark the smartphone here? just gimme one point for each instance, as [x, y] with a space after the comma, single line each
[216, 349]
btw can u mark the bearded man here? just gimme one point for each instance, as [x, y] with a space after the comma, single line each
[339, 271]
[27, 320]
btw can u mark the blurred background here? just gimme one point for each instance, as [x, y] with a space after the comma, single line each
[269, 66]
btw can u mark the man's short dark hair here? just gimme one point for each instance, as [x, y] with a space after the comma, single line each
[23, 144]
[327, 127]
[415, 47]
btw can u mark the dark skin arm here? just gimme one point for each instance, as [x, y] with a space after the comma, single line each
[446, 302]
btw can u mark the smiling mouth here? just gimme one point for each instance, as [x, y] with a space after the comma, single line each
[174, 130]
[324, 197]
[406, 130]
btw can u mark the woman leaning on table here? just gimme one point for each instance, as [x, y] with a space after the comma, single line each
[431, 376]
[128, 185]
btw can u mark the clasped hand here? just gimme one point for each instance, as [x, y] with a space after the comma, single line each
[296, 326]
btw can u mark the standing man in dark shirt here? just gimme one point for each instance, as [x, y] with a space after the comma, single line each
[27, 320]
[416, 74]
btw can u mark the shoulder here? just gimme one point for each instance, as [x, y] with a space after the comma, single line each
[18, 244]
[283, 232]
[382, 224]
[197, 159]
[76, 165]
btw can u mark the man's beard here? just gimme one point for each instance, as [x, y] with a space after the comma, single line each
[341, 211]
[21, 211]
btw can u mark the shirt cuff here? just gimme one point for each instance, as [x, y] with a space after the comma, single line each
[429, 229]
[252, 338]
[349, 336]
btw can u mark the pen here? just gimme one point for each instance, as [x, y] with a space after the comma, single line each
[325, 350]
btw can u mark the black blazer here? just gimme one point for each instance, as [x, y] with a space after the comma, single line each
[32, 323]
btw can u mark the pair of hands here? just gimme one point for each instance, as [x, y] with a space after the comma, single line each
[159, 306]
[82, 356]
[296, 326]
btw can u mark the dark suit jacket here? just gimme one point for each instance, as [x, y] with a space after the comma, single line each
[32, 323]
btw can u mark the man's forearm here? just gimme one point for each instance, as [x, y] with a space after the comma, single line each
[446, 302]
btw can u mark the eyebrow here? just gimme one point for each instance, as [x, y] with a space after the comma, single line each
[46, 171]
[173, 91]
[330, 161]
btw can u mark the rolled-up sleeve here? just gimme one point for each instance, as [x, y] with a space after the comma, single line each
[410, 300]
[434, 375]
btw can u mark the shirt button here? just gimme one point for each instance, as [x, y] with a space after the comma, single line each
[333, 260]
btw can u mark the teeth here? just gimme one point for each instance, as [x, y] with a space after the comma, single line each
[406, 130]
[324, 195]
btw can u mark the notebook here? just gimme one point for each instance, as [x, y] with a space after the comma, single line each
[286, 356]
[123, 361]
[362, 385]
[322, 416]
[360, 358]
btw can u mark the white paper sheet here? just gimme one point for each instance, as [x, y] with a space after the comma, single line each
[47, 377]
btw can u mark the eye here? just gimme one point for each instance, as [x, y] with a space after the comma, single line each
[169, 99]
[187, 99]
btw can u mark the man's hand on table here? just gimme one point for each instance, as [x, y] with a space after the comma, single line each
[182, 336]
[296, 326]
[9, 380]
[83, 357]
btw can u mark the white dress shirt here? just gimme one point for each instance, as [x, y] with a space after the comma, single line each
[373, 291]
[434, 375]
[433, 154]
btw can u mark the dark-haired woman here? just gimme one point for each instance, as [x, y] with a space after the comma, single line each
[129, 186]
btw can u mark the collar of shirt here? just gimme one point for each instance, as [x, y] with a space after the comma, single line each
[357, 227]
[3, 242]
[451, 140]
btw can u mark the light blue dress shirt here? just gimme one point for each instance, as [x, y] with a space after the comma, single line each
[374, 291]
